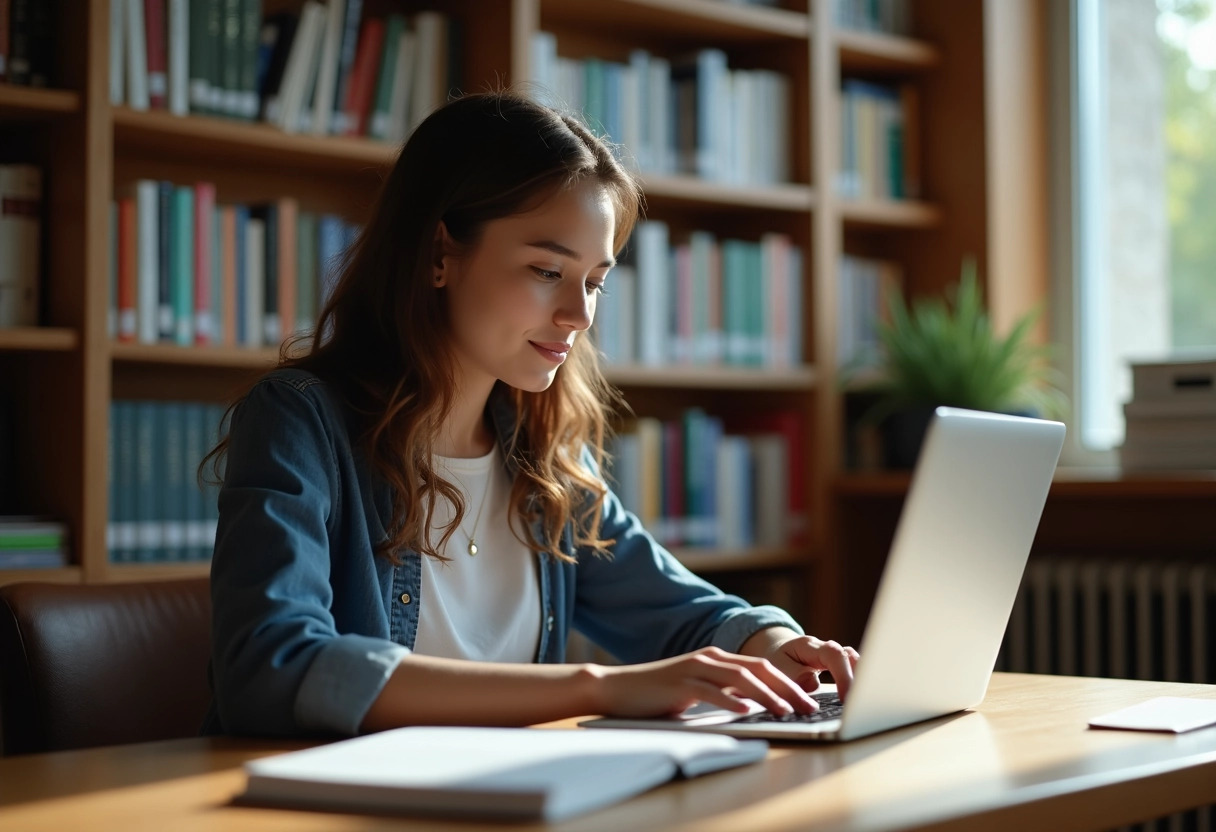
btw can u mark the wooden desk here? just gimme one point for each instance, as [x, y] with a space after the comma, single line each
[1023, 760]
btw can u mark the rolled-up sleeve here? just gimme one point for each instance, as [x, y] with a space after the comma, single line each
[640, 603]
[280, 665]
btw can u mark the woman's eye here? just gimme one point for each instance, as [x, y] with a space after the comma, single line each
[547, 274]
[592, 286]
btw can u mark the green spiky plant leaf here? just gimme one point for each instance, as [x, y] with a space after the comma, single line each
[947, 353]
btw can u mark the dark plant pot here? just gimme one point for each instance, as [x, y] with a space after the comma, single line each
[903, 432]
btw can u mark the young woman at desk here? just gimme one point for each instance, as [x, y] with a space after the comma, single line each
[411, 518]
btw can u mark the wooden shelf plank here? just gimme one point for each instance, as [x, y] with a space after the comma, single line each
[62, 575]
[890, 213]
[693, 191]
[215, 139]
[19, 103]
[711, 377]
[127, 572]
[684, 19]
[38, 338]
[239, 357]
[876, 51]
[1069, 483]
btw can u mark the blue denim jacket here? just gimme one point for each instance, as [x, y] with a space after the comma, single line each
[308, 624]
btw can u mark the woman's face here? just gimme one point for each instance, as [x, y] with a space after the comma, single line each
[528, 289]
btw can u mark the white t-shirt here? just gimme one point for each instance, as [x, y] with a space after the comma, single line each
[484, 607]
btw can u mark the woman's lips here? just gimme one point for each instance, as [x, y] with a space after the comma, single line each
[553, 351]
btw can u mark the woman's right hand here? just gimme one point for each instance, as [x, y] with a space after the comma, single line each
[710, 675]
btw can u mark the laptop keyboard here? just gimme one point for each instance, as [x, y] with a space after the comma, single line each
[830, 707]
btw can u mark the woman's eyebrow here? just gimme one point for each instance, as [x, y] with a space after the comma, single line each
[558, 248]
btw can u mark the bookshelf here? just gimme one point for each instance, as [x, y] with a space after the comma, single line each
[67, 373]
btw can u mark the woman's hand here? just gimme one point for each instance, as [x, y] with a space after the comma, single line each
[802, 658]
[707, 675]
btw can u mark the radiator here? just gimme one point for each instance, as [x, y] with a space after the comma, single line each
[1118, 619]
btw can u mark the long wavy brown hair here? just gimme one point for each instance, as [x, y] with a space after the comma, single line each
[382, 339]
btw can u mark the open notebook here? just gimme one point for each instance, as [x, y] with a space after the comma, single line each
[497, 773]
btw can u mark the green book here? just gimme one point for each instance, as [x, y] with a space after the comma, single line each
[306, 271]
[181, 265]
[200, 58]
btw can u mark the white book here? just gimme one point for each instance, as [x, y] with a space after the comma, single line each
[147, 272]
[638, 132]
[137, 56]
[1174, 381]
[285, 109]
[662, 121]
[255, 281]
[401, 99]
[496, 773]
[179, 57]
[20, 231]
[327, 72]
[654, 292]
[771, 456]
[117, 52]
[430, 74]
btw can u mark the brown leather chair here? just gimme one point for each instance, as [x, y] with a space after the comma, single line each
[102, 664]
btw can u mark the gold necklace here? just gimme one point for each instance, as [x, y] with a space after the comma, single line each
[485, 498]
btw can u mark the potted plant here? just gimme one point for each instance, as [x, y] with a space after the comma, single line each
[944, 352]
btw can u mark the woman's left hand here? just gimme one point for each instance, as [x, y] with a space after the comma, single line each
[802, 658]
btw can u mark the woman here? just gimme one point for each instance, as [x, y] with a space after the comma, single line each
[411, 517]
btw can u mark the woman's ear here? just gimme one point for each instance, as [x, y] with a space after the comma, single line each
[442, 251]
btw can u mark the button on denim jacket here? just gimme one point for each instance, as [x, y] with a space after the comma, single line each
[308, 623]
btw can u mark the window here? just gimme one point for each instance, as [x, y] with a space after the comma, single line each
[1139, 278]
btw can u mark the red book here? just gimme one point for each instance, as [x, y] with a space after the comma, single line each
[156, 39]
[673, 482]
[4, 38]
[204, 211]
[359, 93]
[128, 268]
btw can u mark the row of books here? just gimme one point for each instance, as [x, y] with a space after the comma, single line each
[703, 301]
[692, 114]
[325, 69]
[27, 42]
[28, 542]
[158, 511]
[864, 289]
[189, 271]
[892, 17]
[880, 155]
[20, 244]
[701, 480]
[1171, 418]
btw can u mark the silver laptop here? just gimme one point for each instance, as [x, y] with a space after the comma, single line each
[946, 592]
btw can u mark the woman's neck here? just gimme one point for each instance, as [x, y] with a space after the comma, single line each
[466, 432]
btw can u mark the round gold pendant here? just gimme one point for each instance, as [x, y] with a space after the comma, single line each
[472, 548]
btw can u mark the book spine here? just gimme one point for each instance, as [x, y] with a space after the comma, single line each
[20, 246]
[272, 332]
[156, 53]
[377, 125]
[247, 75]
[214, 44]
[148, 260]
[179, 57]
[166, 329]
[147, 537]
[228, 279]
[327, 72]
[255, 281]
[287, 227]
[112, 306]
[199, 58]
[306, 263]
[182, 254]
[137, 55]
[117, 47]
[192, 502]
[363, 78]
[352, 25]
[204, 212]
[171, 456]
[229, 75]
[128, 269]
